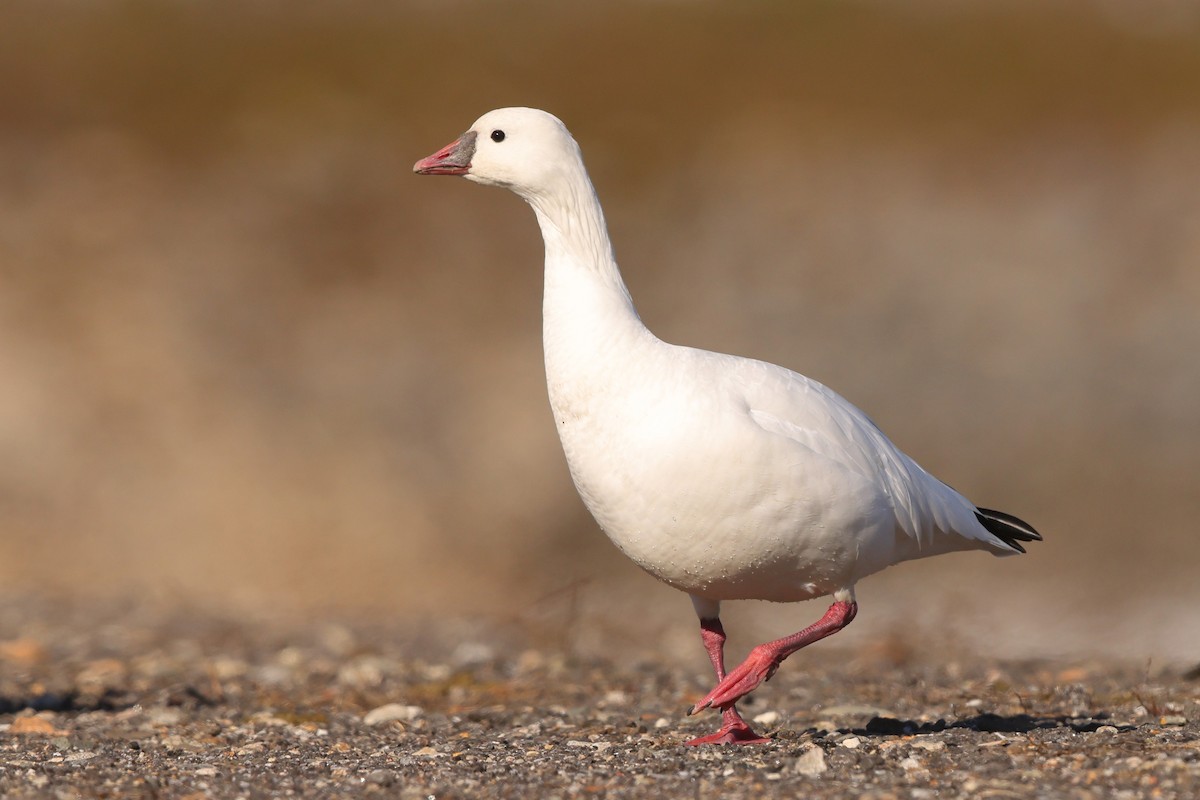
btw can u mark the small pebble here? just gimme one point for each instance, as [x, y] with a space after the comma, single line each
[32, 725]
[930, 745]
[600, 746]
[469, 654]
[811, 762]
[381, 777]
[164, 717]
[392, 712]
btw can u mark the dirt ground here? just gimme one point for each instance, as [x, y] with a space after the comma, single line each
[117, 700]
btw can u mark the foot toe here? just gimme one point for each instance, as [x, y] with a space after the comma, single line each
[735, 734]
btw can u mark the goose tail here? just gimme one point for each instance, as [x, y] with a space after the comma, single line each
[1007, 528]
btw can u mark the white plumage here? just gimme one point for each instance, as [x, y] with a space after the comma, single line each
[725, 477]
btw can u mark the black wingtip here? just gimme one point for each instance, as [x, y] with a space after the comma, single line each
[1007, 528]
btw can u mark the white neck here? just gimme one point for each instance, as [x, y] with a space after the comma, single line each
[575, 233]
[587, 311]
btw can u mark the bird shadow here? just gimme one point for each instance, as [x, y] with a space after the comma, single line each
[985, 723]
[185, 696]
[63, 702]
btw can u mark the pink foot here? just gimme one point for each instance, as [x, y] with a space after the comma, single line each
[763, 660]
[734, 730]
[758, 667]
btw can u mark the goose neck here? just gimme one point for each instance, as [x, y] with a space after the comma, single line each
[573, 228]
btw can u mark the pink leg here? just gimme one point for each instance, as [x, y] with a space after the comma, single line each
[734, 729]
[763, 660]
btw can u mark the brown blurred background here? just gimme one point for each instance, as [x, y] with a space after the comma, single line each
[249, 362]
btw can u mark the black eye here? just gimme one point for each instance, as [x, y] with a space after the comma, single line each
[497, 136]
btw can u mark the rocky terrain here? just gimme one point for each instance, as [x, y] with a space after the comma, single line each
[120, 702]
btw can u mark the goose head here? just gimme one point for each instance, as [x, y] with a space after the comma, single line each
[522, 149]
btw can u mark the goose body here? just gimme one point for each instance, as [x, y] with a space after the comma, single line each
[733, 479]
[727, 478]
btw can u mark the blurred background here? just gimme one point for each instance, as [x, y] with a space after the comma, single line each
[249, 362]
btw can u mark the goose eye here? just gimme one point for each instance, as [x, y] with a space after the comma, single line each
[497, 136]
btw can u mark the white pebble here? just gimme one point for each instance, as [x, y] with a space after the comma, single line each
[472, 653]
[811, 762]
[391, 713]
[930, 745]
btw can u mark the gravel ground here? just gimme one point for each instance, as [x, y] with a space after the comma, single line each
[122, 702]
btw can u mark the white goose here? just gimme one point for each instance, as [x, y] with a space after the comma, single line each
[725, 477]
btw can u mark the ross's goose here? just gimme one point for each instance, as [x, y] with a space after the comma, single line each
[725, 477]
